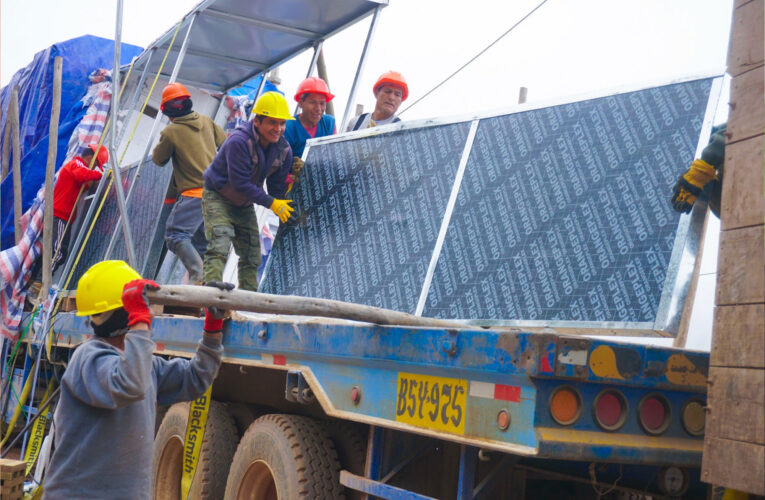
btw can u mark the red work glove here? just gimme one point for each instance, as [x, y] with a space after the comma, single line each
[135, 303]
[214, 316]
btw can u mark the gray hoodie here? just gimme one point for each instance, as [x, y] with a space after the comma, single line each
[104, 422]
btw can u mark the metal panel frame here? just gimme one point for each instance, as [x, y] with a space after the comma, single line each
[687, 239]
[206, 8]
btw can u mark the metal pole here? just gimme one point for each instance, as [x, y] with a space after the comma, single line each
[321, 68]
[50, 167]
[155, 125]
[360, 68]
[14, 116]
[522, 95]
[316, 51]
[115, 117]
[136, 93]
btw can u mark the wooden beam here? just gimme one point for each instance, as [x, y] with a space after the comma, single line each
[740, 264]
[743, 203]
[738, 340]
[747, 114]
[50, 168]
[734, 464]
[14, 117]
[243, 300]
[736, 404]
[746, 41]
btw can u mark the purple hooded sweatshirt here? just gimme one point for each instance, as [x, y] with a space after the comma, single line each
[242, 165]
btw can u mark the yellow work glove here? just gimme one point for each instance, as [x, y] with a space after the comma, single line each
[690, 185]
[297, 167]
[282, 209]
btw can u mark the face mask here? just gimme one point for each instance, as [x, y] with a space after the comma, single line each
[110, 323]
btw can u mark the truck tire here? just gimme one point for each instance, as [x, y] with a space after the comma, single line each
[284, 457]
[218, 448]
[351, 445]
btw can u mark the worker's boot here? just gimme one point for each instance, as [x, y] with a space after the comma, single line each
[191, 260]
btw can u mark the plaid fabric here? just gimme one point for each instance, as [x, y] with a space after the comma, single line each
[16, 265]
[16, 262]
[98, 99]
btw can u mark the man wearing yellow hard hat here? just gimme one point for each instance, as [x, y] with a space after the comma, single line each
[104, 422]
[255, 154]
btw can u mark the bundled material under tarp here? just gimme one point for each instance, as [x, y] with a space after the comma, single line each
[16, 263]
[81, 56]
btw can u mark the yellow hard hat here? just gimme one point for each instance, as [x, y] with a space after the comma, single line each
[100, 288]
[273, 105]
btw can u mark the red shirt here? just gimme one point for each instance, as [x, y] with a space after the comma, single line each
[70, 178]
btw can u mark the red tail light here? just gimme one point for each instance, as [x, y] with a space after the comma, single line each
[654, 414]
[610, 410]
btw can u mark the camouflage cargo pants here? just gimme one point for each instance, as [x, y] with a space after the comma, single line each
[226, 224]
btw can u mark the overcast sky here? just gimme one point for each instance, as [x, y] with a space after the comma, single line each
[566, 49]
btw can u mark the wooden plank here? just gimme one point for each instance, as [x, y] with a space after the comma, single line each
[736, 404]
[740, 266]
[747, 112]
[738, 340]
[743, 203]
[746, 49]
[733, 464]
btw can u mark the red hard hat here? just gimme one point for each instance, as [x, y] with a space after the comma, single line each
[173, 91]
[101, 154]
[392, 78]
[313, 85]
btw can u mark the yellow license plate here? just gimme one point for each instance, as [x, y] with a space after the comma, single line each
[432, 402]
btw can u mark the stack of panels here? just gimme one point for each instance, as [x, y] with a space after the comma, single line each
[144, 209]
[562, 213]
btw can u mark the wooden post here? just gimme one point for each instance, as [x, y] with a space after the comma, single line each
[321, 69]
[14, 116]
[50, 168]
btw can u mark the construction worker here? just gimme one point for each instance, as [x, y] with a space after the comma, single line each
[707, 170]
[71, 178]
[256, 152]
[390, 90]
[191, 140]
[312, 96]
[104, 421]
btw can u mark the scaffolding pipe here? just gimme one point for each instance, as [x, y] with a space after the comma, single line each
[112, 152]
[360, 68]
[155, 125]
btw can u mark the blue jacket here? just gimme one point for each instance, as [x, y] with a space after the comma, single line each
[296, 134]
[241, 167]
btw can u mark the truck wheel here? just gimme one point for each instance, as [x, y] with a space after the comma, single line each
[351, 445]
[284, 457]
[218, 448]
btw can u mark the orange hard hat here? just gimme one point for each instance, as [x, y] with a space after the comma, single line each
[101, 154]
[313, 85]
[173, 91]
[392, 78]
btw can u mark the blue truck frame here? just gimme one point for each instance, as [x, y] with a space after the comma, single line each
[365, 373]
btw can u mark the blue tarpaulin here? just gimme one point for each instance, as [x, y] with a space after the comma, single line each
[81, 56]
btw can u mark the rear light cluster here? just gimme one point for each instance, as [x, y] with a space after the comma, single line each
[610, 411]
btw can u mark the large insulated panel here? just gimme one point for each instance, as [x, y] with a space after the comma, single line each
[370, 211]
[560, 215]
[563, 212]
[144, 209]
